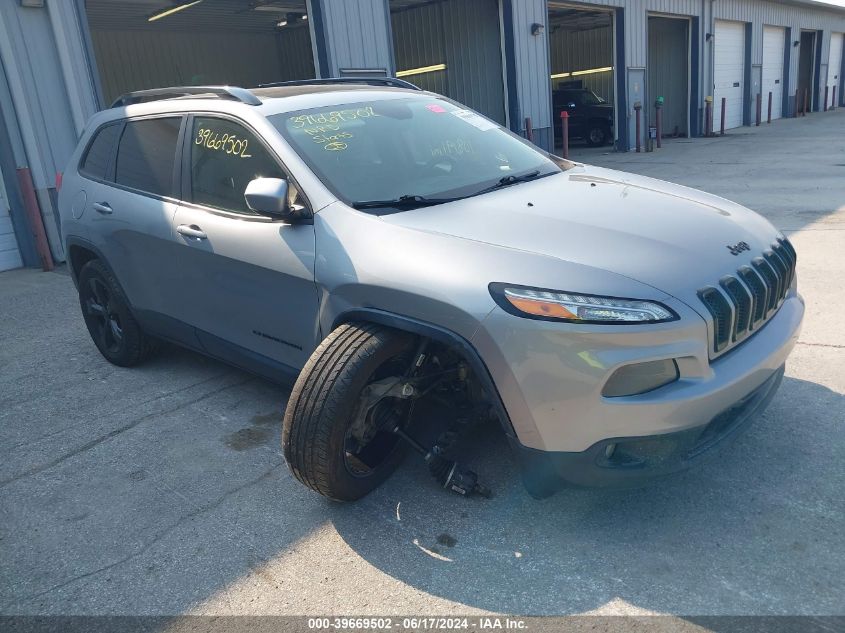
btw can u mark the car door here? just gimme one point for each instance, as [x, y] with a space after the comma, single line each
[247, 280]
[131, 198]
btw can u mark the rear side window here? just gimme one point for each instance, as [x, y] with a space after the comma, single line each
[225, 157]
[146, 155]
[99, 154]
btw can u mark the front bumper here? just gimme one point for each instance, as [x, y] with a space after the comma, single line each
[631, 462]
[550, 377]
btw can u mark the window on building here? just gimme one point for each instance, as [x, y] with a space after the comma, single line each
[225, 157]
[98, 157]
[147, 154]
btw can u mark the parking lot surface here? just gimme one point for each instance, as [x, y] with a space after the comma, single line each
[162, 489]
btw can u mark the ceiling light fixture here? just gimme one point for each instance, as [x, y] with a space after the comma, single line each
[419, 71]
[179, 7]
[577, 73]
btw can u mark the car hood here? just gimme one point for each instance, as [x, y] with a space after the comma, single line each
[670, 237]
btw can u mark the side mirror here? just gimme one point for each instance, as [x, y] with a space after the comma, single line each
[269, 196]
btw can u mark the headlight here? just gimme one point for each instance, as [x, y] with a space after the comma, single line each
[553, 305]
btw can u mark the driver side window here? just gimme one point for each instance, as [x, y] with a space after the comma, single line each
[225, 157]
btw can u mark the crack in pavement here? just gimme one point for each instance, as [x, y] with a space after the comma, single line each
[830, 345]
[31, 441]
[113, 433]
[146, 546]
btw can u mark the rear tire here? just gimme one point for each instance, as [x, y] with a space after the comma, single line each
[324, 403]
[109, 319]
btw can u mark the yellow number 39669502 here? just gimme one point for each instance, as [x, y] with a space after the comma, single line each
[228, 143]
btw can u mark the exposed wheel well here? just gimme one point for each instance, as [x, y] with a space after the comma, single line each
[445, 338]
[78, 257]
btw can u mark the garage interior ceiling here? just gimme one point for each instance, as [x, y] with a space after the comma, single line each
[403, 5]
[208, 15]
[568, 19]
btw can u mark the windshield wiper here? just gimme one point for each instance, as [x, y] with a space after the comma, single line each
[511, 180]
[416, 202]
[402, 202]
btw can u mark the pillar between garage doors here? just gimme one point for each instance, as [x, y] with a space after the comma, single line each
[351, 37]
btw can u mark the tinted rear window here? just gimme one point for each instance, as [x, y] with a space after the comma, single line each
[99, 154]
[146, 155]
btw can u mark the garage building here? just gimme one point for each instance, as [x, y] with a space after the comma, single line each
[520, 62]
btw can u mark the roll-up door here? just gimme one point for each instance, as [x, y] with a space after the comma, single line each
[834, 68]
[774, 38]
[10, 256]
[729, 73]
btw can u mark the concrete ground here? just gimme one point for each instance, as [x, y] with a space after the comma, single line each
[162, 490]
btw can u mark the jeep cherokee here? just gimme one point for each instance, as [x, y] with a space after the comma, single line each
[407, 261]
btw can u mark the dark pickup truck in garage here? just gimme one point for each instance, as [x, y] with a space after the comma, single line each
[590, 116]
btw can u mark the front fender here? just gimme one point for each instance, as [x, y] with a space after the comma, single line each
[441, 335]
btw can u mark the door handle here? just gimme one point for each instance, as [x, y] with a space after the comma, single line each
[102, 207]
[191, 231]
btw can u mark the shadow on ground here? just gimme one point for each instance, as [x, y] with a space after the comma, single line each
[724, 538]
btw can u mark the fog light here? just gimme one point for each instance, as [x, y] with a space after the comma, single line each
[630, 380]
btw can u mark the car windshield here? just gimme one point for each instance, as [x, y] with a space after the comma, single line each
[415, 151]
[588, 97]
[584, 97]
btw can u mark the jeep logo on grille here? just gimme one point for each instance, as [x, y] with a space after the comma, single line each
[737, 248]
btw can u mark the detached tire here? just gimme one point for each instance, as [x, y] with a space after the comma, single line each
[324, 403]
[109, 319]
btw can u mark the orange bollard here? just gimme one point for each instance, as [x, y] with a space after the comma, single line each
[564, 124]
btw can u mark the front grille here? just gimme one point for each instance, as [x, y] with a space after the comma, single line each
[743, 302]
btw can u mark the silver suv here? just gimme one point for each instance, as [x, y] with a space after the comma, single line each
[417, 269]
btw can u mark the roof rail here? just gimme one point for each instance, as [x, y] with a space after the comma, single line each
[224, 92]
[372, 81]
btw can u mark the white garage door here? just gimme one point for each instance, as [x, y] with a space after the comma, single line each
[774, 37]
[729, 73]
[10, 257]
[834, 67]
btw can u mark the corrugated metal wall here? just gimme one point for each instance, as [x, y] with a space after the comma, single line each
[296, 56]
[356, 35]
[584, 50]
[775, 14]
[532, 68]
[42, 115]
[418, 41]
[135, 60]
[463, 34]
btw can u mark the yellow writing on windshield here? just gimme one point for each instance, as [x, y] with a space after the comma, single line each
[333, 117]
